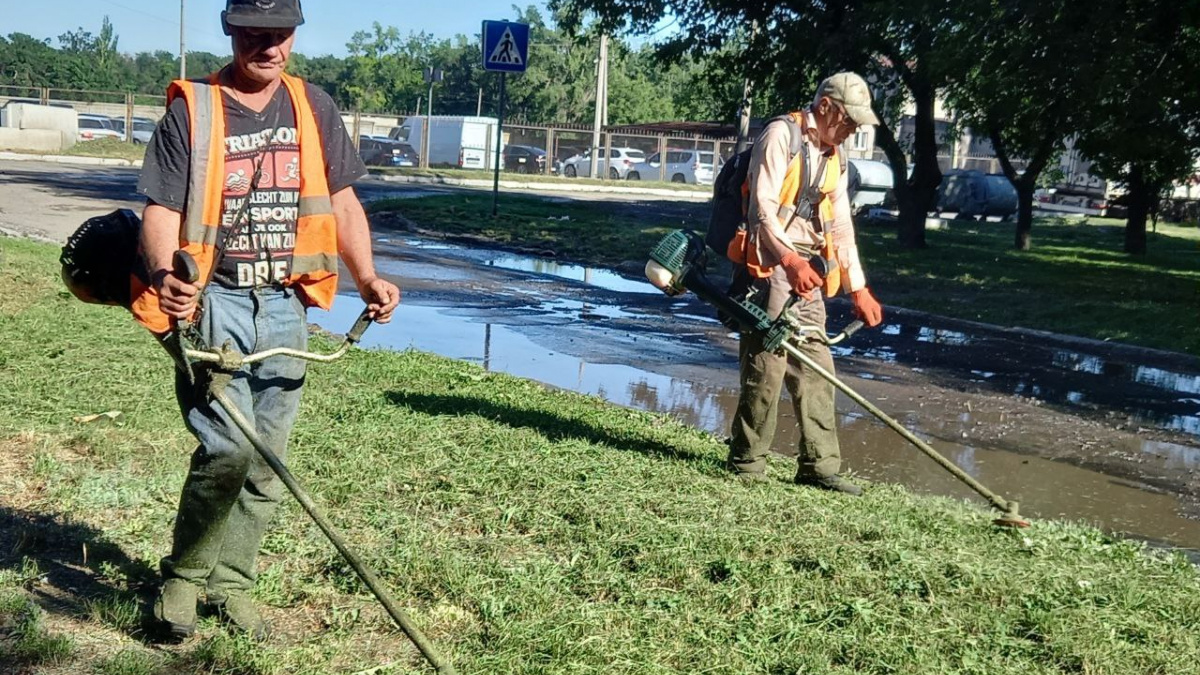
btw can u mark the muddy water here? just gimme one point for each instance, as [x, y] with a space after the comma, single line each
[991, 401]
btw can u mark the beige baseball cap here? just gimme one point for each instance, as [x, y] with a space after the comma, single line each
[851, 91]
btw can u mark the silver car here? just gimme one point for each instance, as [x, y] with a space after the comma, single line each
[694, 167]
[623, 159]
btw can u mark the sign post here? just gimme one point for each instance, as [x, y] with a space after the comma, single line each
[505, 50]
[431, 75]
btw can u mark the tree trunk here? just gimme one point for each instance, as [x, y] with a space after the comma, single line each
[1024, 239]
[1141, 193]
[927, 175]
[915, 196]
[1025, 183]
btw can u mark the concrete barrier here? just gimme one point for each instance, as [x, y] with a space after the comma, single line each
[35, 140]
[32, 116]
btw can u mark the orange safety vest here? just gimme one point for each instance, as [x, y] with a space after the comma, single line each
[315, 257]
[744, 251]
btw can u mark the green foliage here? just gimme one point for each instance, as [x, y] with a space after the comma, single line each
[382, 73]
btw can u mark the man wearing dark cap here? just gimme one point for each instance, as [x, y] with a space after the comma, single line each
[799, 207]
[251, 172]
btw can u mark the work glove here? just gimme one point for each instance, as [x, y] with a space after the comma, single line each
[866, 307]
[800, 274]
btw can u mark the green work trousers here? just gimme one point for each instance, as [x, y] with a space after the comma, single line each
[763, 375]
[230, 491]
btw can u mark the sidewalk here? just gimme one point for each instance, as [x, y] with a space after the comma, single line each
[69, 159]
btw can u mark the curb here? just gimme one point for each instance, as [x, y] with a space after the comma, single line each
[548, 187]
[70, 159]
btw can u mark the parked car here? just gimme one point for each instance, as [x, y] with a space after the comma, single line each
[526, 159]
[94, 127]
[383, 151]
[694, 167]
[870, 183]
[143, 128]
[621, 162]
[972, 194]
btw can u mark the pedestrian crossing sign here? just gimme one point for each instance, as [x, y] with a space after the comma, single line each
[505, 46]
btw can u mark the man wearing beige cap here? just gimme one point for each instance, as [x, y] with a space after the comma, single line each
[799, 208]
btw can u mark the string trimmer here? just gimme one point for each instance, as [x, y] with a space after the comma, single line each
[224, 362]
[677, 264]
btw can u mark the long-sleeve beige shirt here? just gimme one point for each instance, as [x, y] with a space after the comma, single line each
[767, 217]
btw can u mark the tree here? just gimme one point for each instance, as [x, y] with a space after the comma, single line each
[898, 45]
[93, 60]
[1147, 129]
[1025, 79]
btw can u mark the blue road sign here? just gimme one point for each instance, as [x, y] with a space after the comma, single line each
[505, 46]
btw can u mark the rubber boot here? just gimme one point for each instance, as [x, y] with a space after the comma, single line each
[832, 482]
[239, 611]
[175, 607]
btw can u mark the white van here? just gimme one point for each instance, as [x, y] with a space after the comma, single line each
[454, 141]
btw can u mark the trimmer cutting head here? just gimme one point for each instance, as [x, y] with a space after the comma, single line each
[1012, 517]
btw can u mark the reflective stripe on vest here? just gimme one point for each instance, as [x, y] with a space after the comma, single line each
[315, 257]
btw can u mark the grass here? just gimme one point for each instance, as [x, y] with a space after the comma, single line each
[526, 531]
[539, 178]
[593, 232]
[110, 148]
[1075, 281]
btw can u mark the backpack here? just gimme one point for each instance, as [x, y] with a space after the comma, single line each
[729, 205]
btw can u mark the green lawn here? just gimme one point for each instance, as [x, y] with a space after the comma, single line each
[598, 233]
[1076, 280]
[108, 148]
[526, 530]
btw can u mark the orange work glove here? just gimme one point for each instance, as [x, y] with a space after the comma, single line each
[800, 274]
[866, 307]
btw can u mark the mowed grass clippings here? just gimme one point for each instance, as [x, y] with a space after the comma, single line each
[532, 531]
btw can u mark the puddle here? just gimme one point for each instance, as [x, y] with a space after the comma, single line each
[1151, 394]
[1045, 488]
[592, 276]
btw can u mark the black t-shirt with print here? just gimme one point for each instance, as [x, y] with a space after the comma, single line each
[258, 248]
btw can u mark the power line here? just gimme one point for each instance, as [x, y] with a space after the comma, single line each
[171, 22]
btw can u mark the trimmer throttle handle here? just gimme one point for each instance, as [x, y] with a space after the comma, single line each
[360, 327]
[852, 328]
[185, 266]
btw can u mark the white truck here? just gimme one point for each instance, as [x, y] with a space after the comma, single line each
[454, 141]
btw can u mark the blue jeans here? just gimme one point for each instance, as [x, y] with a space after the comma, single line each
[230, 492]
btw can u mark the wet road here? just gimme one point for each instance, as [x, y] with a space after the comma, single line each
[1101, 433]
[1098, 433]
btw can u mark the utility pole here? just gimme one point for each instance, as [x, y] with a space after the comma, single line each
[182, 51]
[479, 105]
[601, 102]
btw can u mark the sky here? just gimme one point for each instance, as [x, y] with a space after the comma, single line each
[151, 25]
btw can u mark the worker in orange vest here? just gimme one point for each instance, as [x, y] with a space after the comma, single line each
[793, 214]
[251, 172]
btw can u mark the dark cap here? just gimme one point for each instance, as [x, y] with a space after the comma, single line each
[263, 13]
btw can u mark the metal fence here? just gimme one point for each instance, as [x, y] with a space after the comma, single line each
[568, 147]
